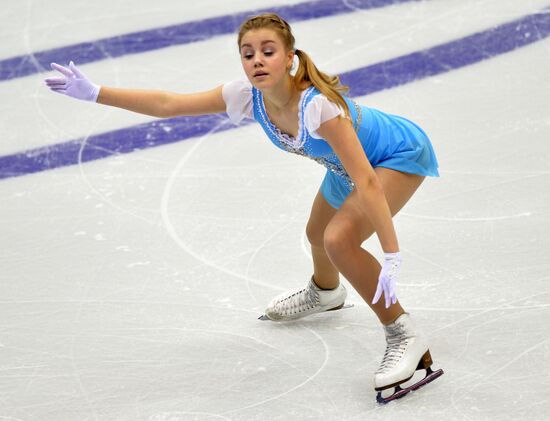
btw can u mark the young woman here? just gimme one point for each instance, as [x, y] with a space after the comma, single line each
[375, 162]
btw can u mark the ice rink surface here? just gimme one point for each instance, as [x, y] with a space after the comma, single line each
[132, 276]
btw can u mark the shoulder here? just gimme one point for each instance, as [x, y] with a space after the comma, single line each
[234, 88]
[237, 96]
[319, 109]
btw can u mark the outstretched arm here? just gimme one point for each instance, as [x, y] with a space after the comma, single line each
[75, 84]
[161, 103]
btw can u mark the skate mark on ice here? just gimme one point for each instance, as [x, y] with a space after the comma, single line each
[512, 361]
[273, 353]
[309, 379]
[504, 306]
[481, 379]
[489, 187]
[256, 251]
[459, 276]
[497, 319]
[172, 230]
[215, 332]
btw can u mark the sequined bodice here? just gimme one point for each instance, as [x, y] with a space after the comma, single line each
[303, 144]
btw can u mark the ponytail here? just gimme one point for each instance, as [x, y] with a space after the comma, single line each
[330, 86]
[307, 73]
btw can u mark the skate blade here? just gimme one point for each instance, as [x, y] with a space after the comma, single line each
[342, 307]
[399, 392]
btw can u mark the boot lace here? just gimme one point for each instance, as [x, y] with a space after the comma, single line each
[397, 342]
[300, 301]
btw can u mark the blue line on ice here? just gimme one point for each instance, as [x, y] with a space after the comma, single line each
[185, 33]
[398, 71]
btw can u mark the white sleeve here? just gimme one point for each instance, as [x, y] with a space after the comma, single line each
[238, 100]
[319, 110]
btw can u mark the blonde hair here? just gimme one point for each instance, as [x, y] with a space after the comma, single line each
[307, 73]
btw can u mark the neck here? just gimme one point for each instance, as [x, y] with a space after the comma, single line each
[281, 96]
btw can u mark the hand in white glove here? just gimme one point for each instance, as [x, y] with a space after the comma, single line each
[387, 281]
[73, 83]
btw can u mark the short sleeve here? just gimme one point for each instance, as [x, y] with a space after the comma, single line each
[237, 96]
[319, 110]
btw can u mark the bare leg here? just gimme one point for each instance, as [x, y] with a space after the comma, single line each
[350, 227]
[326, 276]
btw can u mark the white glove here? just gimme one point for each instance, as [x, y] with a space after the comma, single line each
[387, 281]
[73, 83]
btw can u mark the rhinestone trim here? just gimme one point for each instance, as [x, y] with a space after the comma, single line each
[300, 144]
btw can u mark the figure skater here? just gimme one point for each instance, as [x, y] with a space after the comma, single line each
[375, 162]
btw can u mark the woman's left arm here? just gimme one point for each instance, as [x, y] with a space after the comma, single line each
[341, 136]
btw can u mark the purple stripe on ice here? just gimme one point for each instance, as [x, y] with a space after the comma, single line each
[398, 71]
[442, 58]
[154, 39]
[112, 143]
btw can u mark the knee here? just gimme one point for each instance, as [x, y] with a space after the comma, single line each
[338, 243]
[315, 234]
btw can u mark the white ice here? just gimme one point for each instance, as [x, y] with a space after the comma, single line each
[130, 287]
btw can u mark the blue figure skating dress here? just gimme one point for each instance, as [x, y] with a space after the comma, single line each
[388, 140]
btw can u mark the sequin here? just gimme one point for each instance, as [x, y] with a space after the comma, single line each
[301, 144]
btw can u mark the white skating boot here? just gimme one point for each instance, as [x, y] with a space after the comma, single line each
[303, 302]
[406, 352]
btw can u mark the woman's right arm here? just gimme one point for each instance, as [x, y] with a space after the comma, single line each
[163, 104]
[75, 84]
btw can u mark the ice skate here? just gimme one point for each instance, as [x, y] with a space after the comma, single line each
[303, 302]
[406, 352]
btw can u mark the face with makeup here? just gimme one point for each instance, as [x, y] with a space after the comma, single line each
[265, 59]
